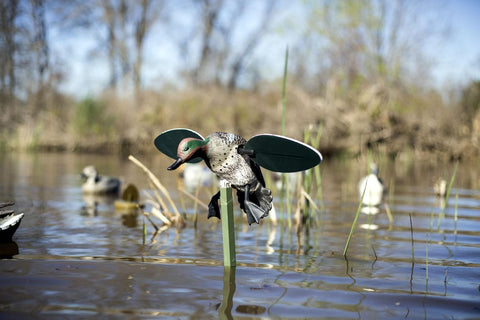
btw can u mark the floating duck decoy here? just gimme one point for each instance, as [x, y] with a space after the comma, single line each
[96, 184]
[195, 175]
[440, 188]
[9, 222]
[129, 199]
[373, 187]
[238, 161]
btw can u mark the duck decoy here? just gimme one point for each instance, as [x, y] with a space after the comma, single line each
[9, 222]
[129, 201]
[373, 187]
[238, 161]
[194, 175]
[96, 184]
[440, 188]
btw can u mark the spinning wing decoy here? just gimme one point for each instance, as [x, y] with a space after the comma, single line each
[238, 161]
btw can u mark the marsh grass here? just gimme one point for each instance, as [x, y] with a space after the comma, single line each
[169, 216]
[411, 238]
[427, 241]
[354, 223]
[284, 91]
[455, 218]
[285, 182]
[310, 175]
[303, 186]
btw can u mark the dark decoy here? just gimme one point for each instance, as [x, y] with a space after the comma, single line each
[9, 222]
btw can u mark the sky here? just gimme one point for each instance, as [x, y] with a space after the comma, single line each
[455, 61]
[460, 60]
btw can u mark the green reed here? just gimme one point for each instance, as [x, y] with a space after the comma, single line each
[311, 174]
[284, 91]
[455, 218]
[285, 187]
[426, 257]
[144, 232]
[354, 223]
[411, 237]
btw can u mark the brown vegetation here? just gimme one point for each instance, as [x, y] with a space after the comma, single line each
[374, 120]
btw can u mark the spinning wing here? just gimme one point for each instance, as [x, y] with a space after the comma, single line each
[282, 154]
[167, 142]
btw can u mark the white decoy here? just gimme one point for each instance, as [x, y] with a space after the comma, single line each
[96, 184]
[195, 175]
[440, 188]
[373, 187]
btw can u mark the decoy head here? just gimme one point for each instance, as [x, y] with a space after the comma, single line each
[88, 172]
[189, 148]
[374, 168]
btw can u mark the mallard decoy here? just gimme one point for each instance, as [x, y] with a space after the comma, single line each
[373, 187]
[238, 162]
[96, 184]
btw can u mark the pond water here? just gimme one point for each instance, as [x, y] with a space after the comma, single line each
[71, 260]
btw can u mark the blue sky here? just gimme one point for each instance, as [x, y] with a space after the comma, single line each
[459, 60]
[456, 61]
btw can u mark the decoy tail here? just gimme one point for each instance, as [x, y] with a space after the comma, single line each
[213, 208]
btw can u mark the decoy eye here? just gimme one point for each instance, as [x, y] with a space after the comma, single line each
[186, 148]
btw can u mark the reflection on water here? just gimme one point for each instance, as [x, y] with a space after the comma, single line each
[8, 250]
[280, 273]
[92, 202]
[225, 310]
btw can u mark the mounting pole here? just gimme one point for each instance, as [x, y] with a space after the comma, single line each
[228, 231]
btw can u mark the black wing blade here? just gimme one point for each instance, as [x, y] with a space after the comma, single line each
[282, 154]
[167, 142]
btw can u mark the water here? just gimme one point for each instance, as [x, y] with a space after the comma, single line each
[76, 261]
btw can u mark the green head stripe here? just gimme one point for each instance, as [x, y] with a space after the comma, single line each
[192, 144]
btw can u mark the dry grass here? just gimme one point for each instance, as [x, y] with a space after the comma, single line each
[377, 117]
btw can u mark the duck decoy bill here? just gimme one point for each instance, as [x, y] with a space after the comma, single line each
[176, 164]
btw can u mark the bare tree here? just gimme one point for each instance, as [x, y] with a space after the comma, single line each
[210, 11]
[40, 50]
[148, 13]
[8, 48]
[238, 63]
[367, 40]
[125, 25]
[225, 42]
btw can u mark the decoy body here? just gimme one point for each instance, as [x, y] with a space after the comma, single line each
[373, 187]
[238, 161]
[220, 153]
[96, 184]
